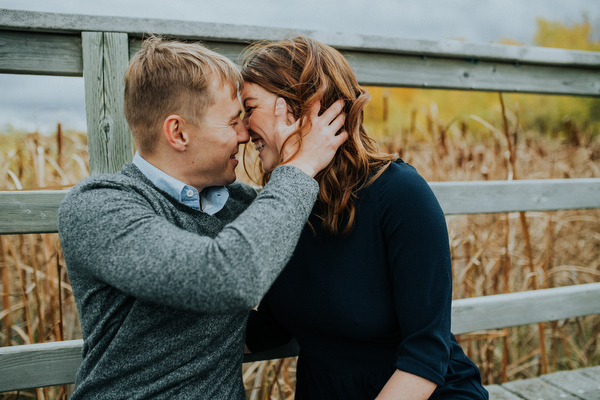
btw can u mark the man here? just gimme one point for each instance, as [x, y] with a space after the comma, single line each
[167, 256]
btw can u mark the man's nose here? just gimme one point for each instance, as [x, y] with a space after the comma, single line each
[243, 135]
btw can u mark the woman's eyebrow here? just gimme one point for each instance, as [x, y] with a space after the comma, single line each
[246, 99]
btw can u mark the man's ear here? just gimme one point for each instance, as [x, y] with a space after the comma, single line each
[173, 130]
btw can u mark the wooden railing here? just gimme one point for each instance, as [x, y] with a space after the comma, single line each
[99, 48]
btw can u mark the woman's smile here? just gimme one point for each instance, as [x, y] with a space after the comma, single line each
[259, 119]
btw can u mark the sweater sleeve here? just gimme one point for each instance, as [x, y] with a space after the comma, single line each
[420, 268]
[117, 237]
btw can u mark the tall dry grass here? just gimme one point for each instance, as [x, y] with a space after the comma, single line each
[491, 254]
[37, 302]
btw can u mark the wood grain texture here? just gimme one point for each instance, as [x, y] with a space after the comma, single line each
[415, 70]
[464, 74]
[37, 365]
[497, 392]
[40, 53]
[575, 383]
[105, 59]
[479, 197]
[24, 210]
[30, 211]
[521, 308]
[376, 60]
[41, 21]
[537, 389]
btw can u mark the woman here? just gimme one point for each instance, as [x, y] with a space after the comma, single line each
[367, 293]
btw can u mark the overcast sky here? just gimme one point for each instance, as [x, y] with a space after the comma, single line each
[38, 103]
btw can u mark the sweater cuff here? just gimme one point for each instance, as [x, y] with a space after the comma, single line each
[295, 179]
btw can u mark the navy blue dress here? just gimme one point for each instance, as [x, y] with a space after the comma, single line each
[363, 305]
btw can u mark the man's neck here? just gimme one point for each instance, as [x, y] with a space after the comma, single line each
[170, 165]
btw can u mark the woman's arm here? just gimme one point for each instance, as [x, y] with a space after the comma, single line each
[403, 385]
[416, 237]
[263, 332]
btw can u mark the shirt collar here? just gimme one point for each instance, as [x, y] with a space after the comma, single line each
[212, 198]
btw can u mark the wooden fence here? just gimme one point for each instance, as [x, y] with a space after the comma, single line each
[99, 48]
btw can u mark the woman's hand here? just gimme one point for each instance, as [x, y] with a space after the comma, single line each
[318, 147]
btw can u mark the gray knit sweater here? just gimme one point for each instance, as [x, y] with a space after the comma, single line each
[163, 290]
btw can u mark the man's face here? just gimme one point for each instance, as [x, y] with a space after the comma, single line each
[215, 139]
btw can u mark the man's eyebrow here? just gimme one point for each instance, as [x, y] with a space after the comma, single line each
[237, 115]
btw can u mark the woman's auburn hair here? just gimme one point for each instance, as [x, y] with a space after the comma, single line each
[305, 71]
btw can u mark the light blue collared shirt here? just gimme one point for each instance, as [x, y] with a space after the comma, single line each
[211, 200]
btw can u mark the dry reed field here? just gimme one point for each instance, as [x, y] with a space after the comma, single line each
[494, 253]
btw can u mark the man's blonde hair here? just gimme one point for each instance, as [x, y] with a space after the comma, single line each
[169, 77]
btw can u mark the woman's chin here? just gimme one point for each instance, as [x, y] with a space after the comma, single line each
[268, 165]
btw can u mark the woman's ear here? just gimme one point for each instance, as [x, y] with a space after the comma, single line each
[283, 112]
[173, 130]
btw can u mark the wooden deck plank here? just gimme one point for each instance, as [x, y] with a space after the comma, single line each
[497, 392]
[592, 372]
[575, 383]
[538, 389]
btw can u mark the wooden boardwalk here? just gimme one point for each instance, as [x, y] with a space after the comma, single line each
[581, 384]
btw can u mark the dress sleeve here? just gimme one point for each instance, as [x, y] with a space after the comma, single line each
[416, 238]
[263, 332]
[114, 234]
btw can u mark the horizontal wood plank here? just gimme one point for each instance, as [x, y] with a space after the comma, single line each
[481, 197]
[30, 211]
[36, 211]
[376, 61]
[521, 308]
[497, 392]
[37, 365]
[56, 363]
[537, 389]
[461, 74]
[591, 372]
[40, 53]
[575, 383]
[139, 27]
[403, 70]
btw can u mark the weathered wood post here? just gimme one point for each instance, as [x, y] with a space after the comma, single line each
[105, 59]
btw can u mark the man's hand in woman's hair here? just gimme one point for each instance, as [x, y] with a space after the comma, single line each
[319, 145]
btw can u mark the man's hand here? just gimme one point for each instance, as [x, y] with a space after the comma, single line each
[320, 144]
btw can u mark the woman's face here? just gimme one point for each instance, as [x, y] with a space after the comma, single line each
[259, 120]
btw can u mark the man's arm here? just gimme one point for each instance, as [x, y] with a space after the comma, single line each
[115, 234]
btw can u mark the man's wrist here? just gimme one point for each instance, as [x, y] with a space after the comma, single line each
[302, 167]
